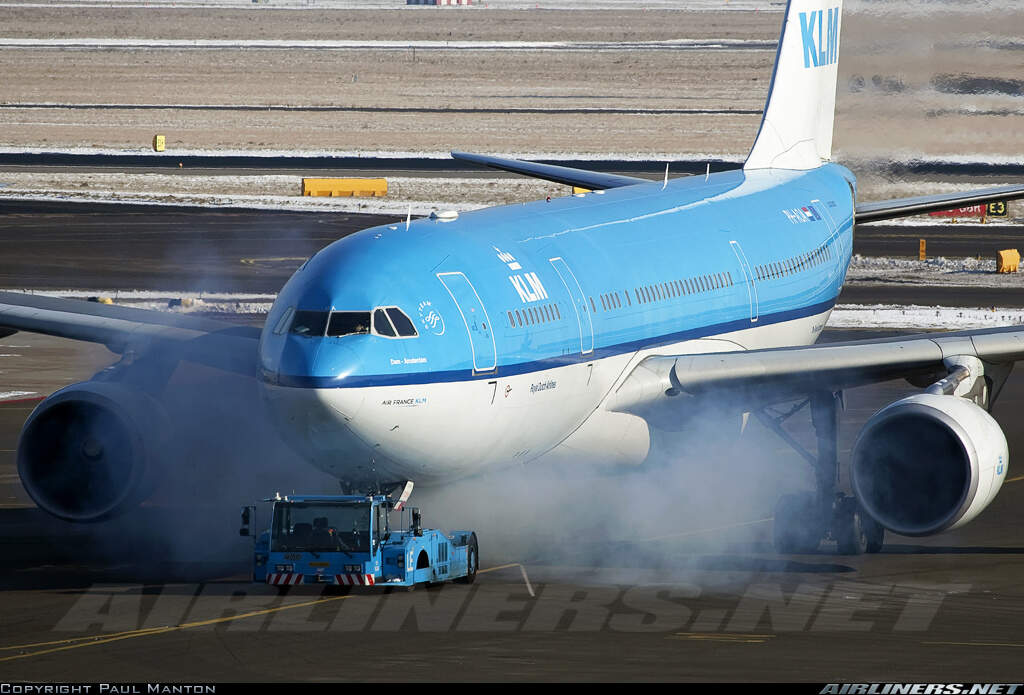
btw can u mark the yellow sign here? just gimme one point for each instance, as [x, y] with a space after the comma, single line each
[921, 255]
[997, 208]
[159, 143]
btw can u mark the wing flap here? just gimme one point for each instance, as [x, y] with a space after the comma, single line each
[569, 176]
[905, 207]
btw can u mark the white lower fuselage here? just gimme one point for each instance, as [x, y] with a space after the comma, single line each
[442, 431]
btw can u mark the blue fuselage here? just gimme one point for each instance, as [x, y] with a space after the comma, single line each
[523, 288]
[455, 345]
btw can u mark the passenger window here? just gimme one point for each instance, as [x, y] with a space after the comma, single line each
[311, 324]
[348, 323]
[401, 322]
[381, 324]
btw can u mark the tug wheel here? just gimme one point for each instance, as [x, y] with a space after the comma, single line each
[472, 561]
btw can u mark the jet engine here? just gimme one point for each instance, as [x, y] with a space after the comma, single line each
[92, 450]
[928, 463]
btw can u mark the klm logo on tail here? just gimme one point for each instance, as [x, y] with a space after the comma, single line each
[820, 33]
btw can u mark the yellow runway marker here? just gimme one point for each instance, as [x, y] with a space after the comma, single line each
[684, 534]
[1014, 480]
[77, 639]
[720, 637]
[76, 642]
[278, 259]
[131, 634]
[1018, 645]
[522, 570]
[499, 567]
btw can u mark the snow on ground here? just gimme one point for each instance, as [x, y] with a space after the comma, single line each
[922, 317]
[382, 45]
[691, 5]
[282, 192]
[278, 192]
[13, 395]
[369, 154]
[174, 302]
[955, 272]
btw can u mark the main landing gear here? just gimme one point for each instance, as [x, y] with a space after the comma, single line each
[803, 520]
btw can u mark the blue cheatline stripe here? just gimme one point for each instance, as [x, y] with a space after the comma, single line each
[408, 379]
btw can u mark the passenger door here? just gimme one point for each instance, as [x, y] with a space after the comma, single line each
[579, 302]
[474, 316]
[750, 280]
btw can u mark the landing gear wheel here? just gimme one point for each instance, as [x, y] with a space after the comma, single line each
[472, 561]
[798, 528]
[849, 527]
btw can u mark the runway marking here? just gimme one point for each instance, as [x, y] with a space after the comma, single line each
[522, 569]
[727, 637]
[75, 639]
[91, 640]
[976, 644]
[499, 567]
[1014, 480]
[131, 634]
[698, 532]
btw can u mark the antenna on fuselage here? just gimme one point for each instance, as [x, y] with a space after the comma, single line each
[666, 177]
[408, 217]
[707, 173]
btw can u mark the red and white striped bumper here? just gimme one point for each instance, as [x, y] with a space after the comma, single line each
[284, 579]
[354, 579]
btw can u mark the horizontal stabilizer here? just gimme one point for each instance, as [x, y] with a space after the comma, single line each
[905, 207]
[594, 180]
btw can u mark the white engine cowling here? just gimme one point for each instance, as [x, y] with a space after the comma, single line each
[928, 463]
[92, 450]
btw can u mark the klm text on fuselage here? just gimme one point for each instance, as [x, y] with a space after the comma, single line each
[820, 33]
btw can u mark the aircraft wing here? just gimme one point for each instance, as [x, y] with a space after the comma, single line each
[207, 341]
[593, 180]
[780, 374]
[904, 207]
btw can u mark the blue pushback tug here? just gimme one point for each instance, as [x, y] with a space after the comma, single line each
[347, 540]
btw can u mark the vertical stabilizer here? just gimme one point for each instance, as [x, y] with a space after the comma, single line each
[796, 131]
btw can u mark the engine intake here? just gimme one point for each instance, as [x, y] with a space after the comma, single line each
[91, 450]
[928, 463]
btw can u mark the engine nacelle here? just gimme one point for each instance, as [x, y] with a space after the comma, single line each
[928, 463]
[92, 450]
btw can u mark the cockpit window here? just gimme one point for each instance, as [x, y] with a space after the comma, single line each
[310, 323]
[348, 323]
[382, 325]
[401, 322]
[282, 323]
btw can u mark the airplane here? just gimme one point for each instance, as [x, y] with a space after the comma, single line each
[439, 348]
